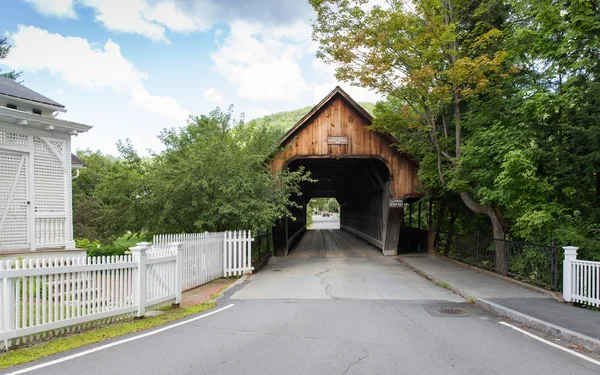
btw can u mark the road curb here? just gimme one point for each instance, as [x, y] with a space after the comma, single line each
[573, 337]
[554, 294]
[236, 283]
[589, 343]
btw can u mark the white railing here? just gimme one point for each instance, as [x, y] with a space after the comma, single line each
[209, 256]
[581, 279]
[46, 295]
[202, 255]
[238, 253]
[49, 295]
[50, 231]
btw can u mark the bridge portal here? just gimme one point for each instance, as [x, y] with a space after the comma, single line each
[368, 176]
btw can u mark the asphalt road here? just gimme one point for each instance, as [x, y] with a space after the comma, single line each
[331, 315]
[320, 222]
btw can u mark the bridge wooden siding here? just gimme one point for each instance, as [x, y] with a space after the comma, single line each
[307, 143]
[339, 116]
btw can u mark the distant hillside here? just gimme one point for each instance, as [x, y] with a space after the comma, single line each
[285, 120]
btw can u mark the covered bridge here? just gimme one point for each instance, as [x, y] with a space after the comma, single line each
[368, 176]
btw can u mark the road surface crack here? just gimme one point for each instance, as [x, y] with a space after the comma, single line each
[355, 362]
[327, 285]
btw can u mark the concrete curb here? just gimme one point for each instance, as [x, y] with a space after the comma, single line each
[236, 283]
[573, 337]
[556, 295]
[435, 280]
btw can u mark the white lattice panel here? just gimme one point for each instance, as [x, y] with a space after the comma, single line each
[13, 139]
[13, 199]
[49, 176]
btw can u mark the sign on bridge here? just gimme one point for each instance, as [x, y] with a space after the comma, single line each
[396, 203]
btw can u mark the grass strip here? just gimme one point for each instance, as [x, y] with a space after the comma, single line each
[57, 345]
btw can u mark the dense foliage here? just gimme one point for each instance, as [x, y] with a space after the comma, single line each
[211, 177]
[497, 100]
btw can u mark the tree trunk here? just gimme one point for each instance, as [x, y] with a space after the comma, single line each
[450, 231]
[498, 230]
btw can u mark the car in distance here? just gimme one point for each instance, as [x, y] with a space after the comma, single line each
[325, 214]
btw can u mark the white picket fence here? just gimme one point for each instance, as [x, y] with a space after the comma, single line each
[581, 279]
[44, 295]
[209, 256]
[47, 296]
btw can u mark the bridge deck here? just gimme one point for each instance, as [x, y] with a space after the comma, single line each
[329, 243]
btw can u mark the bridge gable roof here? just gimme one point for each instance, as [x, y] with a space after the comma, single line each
[333, 95]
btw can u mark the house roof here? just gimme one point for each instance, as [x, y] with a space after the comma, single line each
[9, 87]
[76, 163]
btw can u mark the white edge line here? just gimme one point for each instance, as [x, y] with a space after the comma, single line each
[552, 344]
[97, 349]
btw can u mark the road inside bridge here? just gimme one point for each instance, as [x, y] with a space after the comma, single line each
[331, 315]
[325, 239]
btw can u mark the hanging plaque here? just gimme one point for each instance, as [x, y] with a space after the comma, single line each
[337, 140]
[396, 203]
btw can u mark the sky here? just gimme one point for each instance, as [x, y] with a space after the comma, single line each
[130, 68]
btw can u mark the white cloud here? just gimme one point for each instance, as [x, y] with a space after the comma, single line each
[75, 61]
[127, 16]
[261, 65]
[213, 95]
[56, 8]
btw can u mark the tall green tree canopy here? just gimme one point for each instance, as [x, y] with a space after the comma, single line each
[497, 100]
[212, 176]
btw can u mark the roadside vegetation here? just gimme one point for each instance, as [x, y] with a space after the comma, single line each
[211, 177]
[498, 101]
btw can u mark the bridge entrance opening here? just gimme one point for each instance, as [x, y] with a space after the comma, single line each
[363, 170]
[323, 213]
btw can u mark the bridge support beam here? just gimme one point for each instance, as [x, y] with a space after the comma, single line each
[392, 231]
[280, 238]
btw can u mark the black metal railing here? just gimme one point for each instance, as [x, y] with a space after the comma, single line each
[262, 246]
[535, 263]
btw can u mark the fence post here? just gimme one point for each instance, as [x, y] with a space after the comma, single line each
[225, 254]
[8, 302]
[139, 256]
[554, 263]
[570, 255]
[145, 244]
[177, 248]
[250, 239]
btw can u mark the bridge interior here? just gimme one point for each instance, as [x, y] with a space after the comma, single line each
[361, 186]
[325, 239]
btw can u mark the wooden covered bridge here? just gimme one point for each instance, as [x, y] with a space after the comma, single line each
[369, 177]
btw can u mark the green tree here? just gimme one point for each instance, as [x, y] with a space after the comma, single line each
[4, 50]
[212, 177]
[332, 205]
[431, 58]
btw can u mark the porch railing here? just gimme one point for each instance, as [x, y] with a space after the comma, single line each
[50, 230]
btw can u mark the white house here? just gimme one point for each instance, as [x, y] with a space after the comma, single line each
[35, 175]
